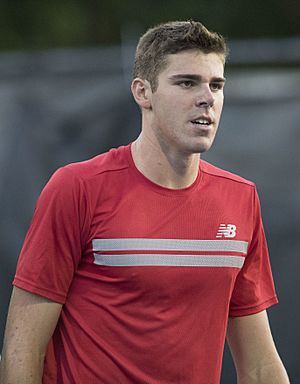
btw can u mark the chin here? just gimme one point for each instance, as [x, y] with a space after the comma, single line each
[201, 147]
[204, 149]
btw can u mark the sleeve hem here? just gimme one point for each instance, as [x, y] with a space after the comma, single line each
[23, 284]
[252, 310]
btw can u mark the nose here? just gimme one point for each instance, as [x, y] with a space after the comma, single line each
[205, 98]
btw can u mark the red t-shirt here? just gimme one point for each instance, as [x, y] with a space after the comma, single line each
[148, 275]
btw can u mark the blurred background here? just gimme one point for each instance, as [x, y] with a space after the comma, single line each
[65, 70]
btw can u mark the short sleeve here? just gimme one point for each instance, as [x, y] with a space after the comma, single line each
[254, 288]
[54, 242]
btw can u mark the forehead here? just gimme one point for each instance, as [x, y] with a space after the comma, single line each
[194, 62]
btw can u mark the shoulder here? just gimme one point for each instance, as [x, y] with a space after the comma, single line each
[112, 161]
[80, 176]
[223, 175]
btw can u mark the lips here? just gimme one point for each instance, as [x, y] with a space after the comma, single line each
[202, 120]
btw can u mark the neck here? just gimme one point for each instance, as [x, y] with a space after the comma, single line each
[163, 165]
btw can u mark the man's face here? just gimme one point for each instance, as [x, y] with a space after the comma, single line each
[187, 105]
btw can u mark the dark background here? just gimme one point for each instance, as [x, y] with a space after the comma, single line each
[36, 24]
[65, 70]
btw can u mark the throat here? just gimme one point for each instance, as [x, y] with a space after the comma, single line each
[169, 170]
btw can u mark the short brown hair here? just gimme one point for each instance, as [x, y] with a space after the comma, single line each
[170, 38]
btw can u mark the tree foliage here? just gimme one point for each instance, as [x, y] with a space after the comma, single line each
[39, 24]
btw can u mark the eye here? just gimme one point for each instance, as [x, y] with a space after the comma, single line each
[216, 86]
[186, 83]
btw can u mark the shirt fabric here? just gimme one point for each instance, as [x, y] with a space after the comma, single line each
[147, 275]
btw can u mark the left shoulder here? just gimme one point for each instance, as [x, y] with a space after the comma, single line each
[214, 171]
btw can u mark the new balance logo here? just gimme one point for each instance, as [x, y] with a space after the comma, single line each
[228, 230]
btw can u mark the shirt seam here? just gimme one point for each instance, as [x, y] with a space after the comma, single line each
[246, 182]
[22, 283]
[273, 299]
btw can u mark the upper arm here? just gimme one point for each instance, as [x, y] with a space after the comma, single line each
[31, 321]
[252, 346]
[250, 338]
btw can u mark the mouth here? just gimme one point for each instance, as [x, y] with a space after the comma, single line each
[202, 121]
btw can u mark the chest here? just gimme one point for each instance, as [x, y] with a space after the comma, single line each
[139, 213]
[164, 246]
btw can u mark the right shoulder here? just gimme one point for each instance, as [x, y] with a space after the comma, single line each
[88, 175]
[113, 160]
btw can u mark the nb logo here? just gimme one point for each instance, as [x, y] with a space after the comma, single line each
[228, 230]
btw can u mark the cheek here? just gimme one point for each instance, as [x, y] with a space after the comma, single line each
[167, 108]
[219, 105]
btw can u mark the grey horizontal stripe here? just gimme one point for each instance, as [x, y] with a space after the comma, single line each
[139, 260]
[169, 245]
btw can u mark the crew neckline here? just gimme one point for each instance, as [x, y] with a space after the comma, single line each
[156, 187]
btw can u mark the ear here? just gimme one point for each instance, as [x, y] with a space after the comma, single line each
[141, 91]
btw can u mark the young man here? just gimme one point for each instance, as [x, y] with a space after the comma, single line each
[138, 262]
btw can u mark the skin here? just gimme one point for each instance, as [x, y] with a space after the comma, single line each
[169, 146]
[168, 153]
[30, 324]
[253, 350]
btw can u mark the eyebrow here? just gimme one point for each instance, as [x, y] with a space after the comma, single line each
[195, 78]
